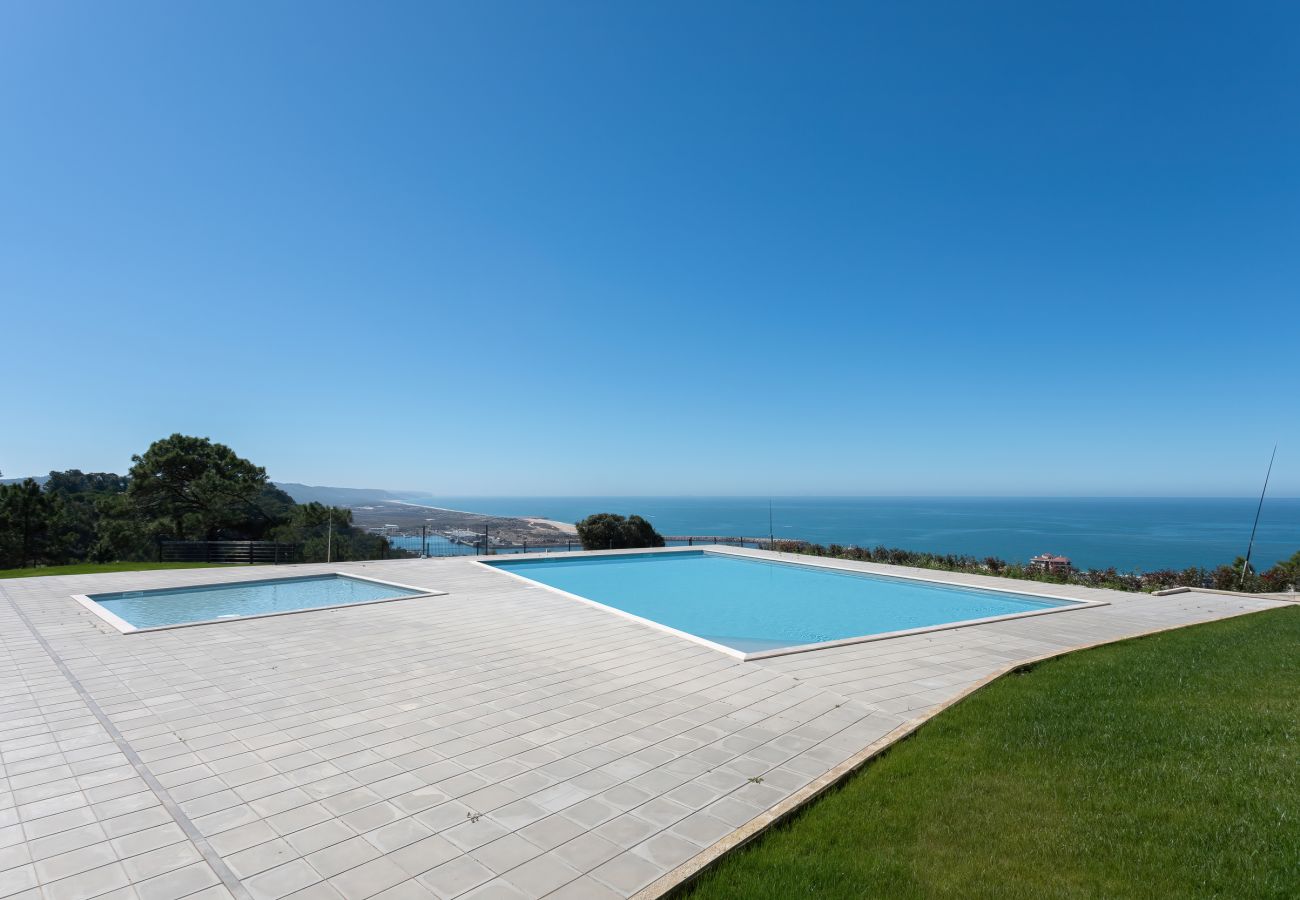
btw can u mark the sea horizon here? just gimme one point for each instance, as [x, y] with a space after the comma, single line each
[1127, 533]
[819, 496]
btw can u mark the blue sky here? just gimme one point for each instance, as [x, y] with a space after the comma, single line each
[669, 248]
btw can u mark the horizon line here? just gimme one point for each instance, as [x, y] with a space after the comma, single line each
[765, 496]
[827, 496]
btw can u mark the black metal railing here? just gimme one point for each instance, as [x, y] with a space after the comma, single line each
[245, 552]
[690, 540]
[428, 543]
[418, 543]
[425, 542]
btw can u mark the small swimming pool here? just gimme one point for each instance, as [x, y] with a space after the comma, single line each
[138, 610]
[757, 606]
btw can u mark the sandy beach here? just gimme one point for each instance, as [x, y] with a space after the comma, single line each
[566, 527]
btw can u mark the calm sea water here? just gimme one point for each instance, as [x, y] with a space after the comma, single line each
[1128, 533]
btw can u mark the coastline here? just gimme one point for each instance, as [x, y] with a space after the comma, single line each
[566, 527]
[1128, 533]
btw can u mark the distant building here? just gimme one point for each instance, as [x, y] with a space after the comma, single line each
[1046, 562]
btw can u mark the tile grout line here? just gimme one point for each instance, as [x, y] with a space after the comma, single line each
[376, 681]
[191, 831]
[689, 870]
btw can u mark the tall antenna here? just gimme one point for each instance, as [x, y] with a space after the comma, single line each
[1245, 566]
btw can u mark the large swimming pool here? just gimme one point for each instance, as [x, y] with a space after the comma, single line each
[754, 605]
[136, 610]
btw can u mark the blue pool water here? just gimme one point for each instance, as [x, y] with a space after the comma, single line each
[176, 606]
[752, 605]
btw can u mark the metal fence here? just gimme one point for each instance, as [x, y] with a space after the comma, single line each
[428, 543]
[246, 552]
[690, 540]
[431, 544]
[417, 543]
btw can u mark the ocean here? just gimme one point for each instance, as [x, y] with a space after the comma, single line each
[1125, 532]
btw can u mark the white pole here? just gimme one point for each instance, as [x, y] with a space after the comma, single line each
[329, 541]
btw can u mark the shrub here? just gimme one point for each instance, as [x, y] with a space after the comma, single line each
[1280, 578]
[608, 531]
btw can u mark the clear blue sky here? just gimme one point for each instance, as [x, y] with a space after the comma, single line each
[709, 248]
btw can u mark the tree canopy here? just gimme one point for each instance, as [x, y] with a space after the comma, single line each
[26, 513]
[610, 531]
[182, 487]
[198, 487]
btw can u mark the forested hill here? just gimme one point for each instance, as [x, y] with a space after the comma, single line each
[182, 488]
[340, 496]
[304, 493]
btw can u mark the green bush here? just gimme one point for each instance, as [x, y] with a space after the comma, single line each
[1281, 577]
[609, 531]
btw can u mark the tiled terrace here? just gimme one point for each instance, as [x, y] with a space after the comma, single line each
[500, 741]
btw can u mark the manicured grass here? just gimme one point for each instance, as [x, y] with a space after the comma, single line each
[1167, 766]
[93, 568]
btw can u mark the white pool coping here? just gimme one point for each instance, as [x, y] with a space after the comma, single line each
[1065, 604]
[125, 627]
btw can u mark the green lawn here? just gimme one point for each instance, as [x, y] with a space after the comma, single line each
[1167, 766]
[92, 568]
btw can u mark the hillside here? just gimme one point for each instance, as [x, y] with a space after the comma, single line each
[341, 496]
